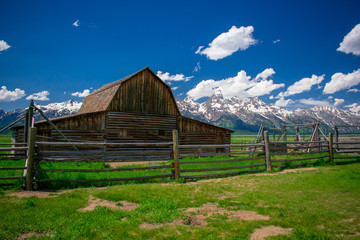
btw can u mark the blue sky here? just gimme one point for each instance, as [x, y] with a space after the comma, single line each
[286, 52]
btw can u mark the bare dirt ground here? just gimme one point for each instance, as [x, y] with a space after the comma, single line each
[287, 171]
[94, 202]
[197, 216]
[39, 194]
[264, 232]
[35, 235]
[210, 209]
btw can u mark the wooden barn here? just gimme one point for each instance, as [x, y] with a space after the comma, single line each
[138, 108]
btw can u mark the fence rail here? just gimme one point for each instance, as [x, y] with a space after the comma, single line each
[12, 156]
[92, 162]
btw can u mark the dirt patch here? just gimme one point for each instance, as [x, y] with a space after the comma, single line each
[39, 194]
[321, 227]
[197, 216]
[149, 226]
[349, 220]
[128, 206]
[94, 202]
[264, 232]
[210, 209]
[34, 234]
[295, 170]
[197, 221]
[121, 164]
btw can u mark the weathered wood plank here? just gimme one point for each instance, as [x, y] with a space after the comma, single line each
[222, 174]
[12, 168]
[10, 178]
[105, 180]
[13, 148]
[223, 161]
[221, 168]
[106, 170]
[160, 144]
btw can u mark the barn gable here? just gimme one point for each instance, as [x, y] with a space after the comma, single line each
[142, 92]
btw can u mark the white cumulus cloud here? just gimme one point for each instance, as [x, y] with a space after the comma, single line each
[76, 23]
[314, 102]
[241, 86]
[353, 90]
[351, 42]
[340, 81]
[338, 102]
[85, 93]
[40, 96]
[229, 42]
[283, 103]
[354, 108]
[177, 77]
[4, 45]
[303, 85]
[264, 75]
[10, 96]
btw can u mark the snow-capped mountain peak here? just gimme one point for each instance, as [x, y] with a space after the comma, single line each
[63, 108]
[234, 113]
[51, 110]
[239, 113]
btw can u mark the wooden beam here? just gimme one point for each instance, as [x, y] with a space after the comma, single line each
[31, 160]
[267, 151]
[176, 154]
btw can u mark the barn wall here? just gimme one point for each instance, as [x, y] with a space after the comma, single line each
[132, 127]
[84, 127]
[144, 93]
[194, 132]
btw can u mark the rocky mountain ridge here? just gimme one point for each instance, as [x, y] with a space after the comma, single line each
[51, 110]
[249, 114]
[233, 113]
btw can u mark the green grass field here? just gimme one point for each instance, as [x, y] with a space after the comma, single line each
[320, 204]
[203, 163]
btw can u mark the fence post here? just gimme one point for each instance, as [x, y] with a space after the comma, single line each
[331, 147]
[176, 154]
[31, 159]
[336, 137]
[267, 151]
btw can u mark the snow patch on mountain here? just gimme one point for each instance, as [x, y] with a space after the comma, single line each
[60, 109]
[51, 110]
[239, 113]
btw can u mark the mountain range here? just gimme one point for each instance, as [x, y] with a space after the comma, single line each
[233, 113]
[249, 114]
[51, 110]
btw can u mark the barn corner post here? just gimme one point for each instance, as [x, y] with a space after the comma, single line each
[30, 159]
[267, 151]
[176, 154]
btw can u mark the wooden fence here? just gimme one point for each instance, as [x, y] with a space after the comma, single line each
[88, 162]
[13, 154]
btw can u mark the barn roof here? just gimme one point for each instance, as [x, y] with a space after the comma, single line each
[101, 98]
[208, 124]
